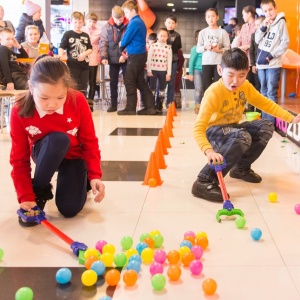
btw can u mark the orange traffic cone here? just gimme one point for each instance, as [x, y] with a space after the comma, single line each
[152, 173]
[169, 119]
[159, 155]
[166, 137]
[174, 109]
[162, 141]
[170, 113]
[169, 131]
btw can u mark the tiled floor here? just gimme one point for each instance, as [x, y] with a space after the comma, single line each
[244, 269]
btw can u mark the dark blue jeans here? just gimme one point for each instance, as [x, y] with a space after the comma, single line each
[114, 73]
[171, 84]
[48, 154]
[240, 145]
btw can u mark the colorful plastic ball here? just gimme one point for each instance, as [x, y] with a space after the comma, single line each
[120, 259]
[107, 258]
[130, 252]
[89, 261]
[89, 277]
[134, 265]
[197, 251]
[174, 272]
[189, 233]
[158, 282]
[190, 239]
[126, 242]
[109, 248]
[160, 256]
[100, 244]
[187, 258]
[136, 257]
[149, 241]
[105, 298]
[147, 255]
[152, 182]
[201, 233]
[196, 267]
[297, 210]
[173, 257]
[209, 286]
[186, 243]
[156, 268]
[154, 232]
[256, 234]
[63, 275]
[240, 222]
[130, 277]
[143, 236]
[99, 267]
[272, 197]
[112, 277]
[1, 254]
[140, 247]
[24, 293]
[91, 252]
[183, 249]
[158, 240]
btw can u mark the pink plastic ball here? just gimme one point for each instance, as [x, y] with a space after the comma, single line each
[100, 244]
[156, 268]
[190, 233]
[297, 209]
[196, 267]
[160, 256]
[197, 251]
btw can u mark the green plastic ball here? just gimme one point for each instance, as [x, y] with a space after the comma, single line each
[240, 222]
[24, 293]
[158, 281]
[1, 254]
[158, 240]
[143, 236]
[120, 259]
[126, 242]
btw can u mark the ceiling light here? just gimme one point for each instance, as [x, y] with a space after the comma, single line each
[189, 1]
[170, 4]
[190, 8]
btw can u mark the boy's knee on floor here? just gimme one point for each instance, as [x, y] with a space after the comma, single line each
[69, 213]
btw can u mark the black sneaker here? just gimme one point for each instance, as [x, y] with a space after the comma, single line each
[111, 109]
[146, 111]
[207, 190]
[126, 112]
[246, 175]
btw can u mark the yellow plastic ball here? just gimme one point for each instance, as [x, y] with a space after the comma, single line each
[182, 250]
[147, 255]
[91, 252]
[107, 258]
[201, 233]
[109, 248]
[154, 232]
[272, 197]
[130, 252]
[89, 277]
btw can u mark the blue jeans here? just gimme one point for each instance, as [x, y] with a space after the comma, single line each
[198, 83]
[171, 84]
[269, 79]
[240, 145]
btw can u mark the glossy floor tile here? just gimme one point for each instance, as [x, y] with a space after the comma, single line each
[243, 268]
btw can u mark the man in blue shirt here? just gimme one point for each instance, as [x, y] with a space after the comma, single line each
[134, 40]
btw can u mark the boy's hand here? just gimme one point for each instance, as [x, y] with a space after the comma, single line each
[296, 119]
[28, 206]
[16, 44]
[10, 86]
[168, 77]
[81, 57]
[104, 61]
[98, 189]
[190, 77]
[254, 69]
[213, 157]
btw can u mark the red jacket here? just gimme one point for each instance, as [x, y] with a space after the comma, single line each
[76, 121]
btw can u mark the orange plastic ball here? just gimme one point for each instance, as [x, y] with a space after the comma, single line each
[174, 272]
[130, 277]
[152, 182]
[173, 257]
[89, 261]
[112, 277]
[149, 241]
[187, 258]
[202, 241]
[190, 239]
[209, 286]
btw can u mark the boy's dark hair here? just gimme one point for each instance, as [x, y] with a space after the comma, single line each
[236, 20]
[47, 70]
[236, 59]
[250, 9]
[152, 36]
[172, 17]
[7, 30]
[211, 9]
[162, 29]
[267, 2]
[197, 33]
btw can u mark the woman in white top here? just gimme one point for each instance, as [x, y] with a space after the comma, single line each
[212, 41]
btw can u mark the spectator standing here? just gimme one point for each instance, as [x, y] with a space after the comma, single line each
[6, 23]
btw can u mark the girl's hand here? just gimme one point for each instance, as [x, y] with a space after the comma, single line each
[213, 157]
[28, 206]
[149, 74]
[296, 119]
[16, 44]
[81, 57]
[98, 189]
[168, 77]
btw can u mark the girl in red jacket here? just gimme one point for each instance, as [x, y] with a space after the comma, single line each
[53, 125]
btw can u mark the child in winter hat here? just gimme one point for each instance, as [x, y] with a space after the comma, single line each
[31, 8]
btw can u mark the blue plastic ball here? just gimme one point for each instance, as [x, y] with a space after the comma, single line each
[63, 275]
[134, 265]
[98, 266]
[186, 243]
[136, 257]
[105, 298]
[256, 234]
[140, 247]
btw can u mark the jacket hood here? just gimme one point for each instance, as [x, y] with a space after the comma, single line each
[112, 22]
[278, 17]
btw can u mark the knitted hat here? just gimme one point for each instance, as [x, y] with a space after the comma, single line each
[31, 8]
